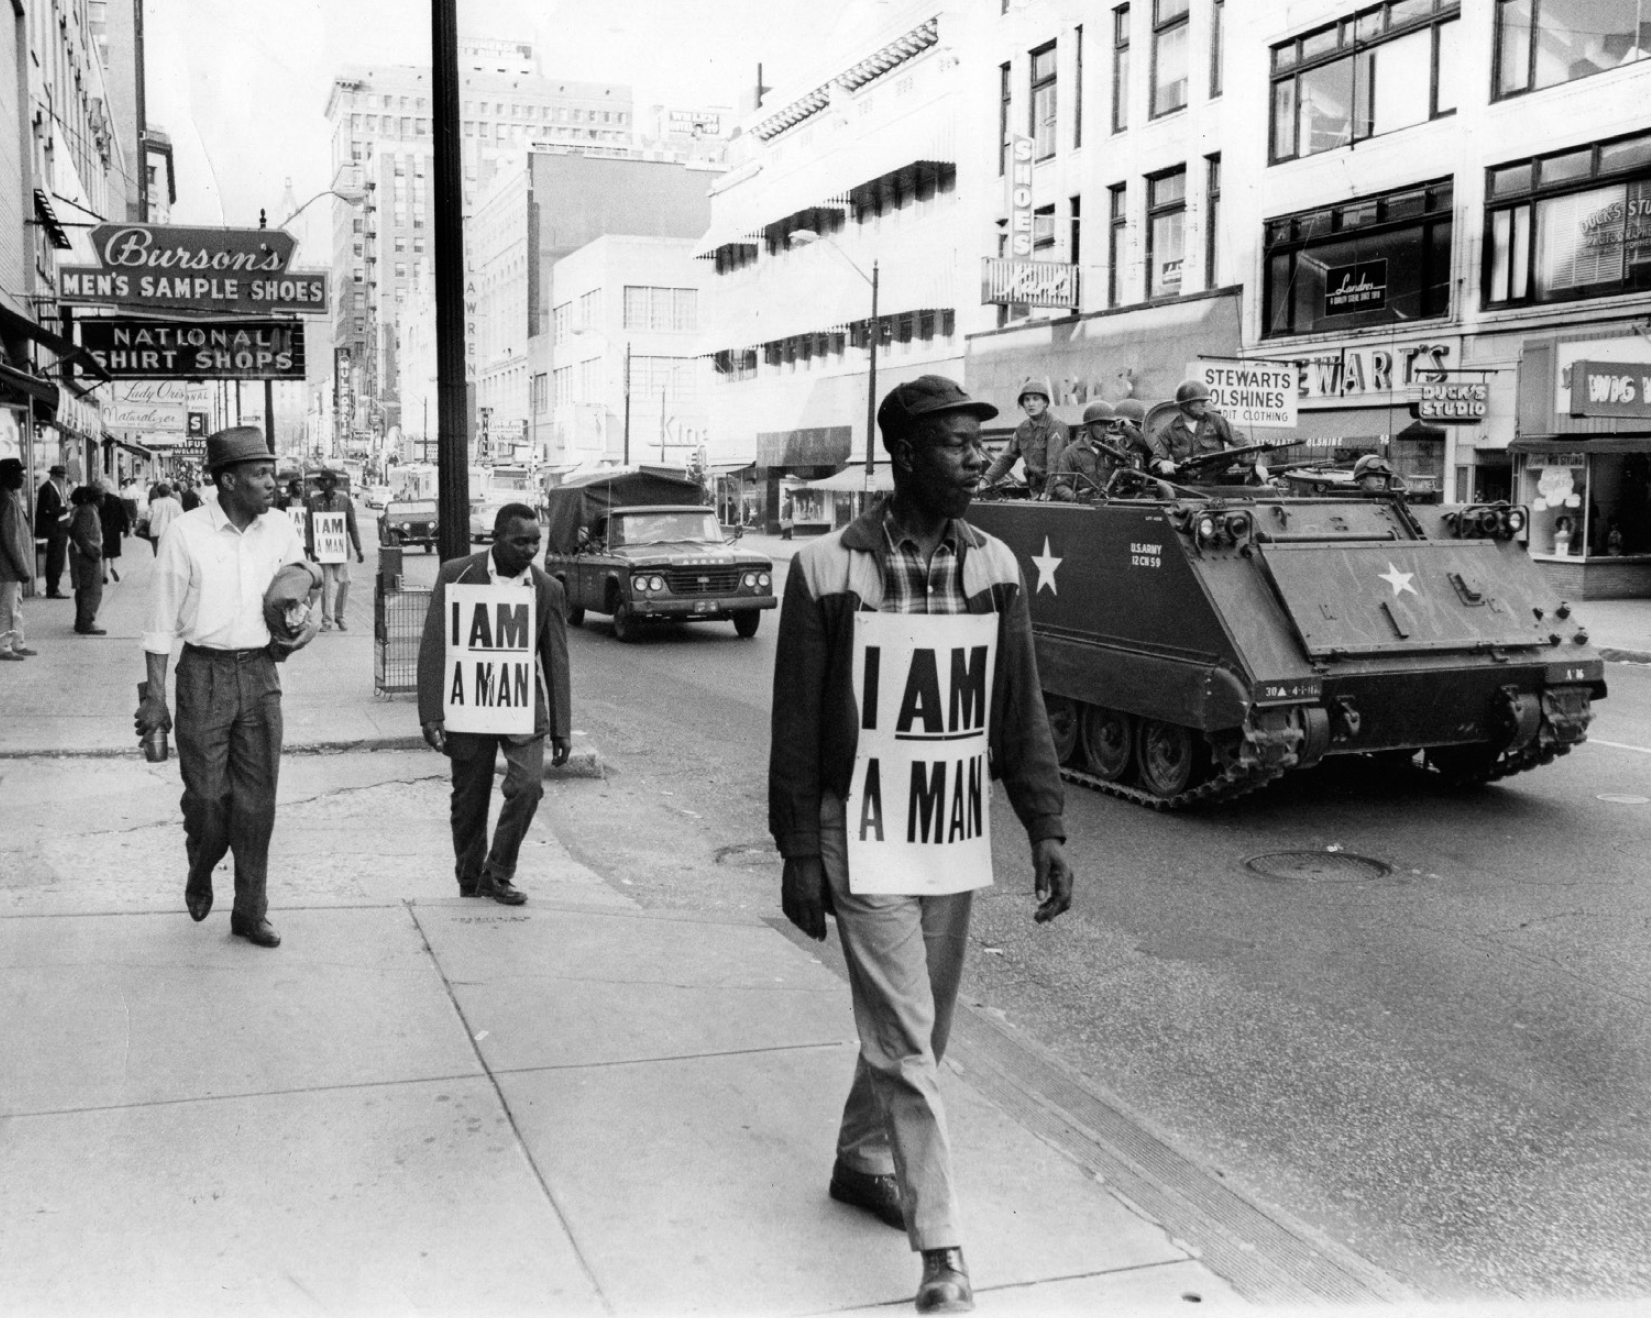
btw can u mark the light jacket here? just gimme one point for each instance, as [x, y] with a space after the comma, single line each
[553, 717]
[16, 543]
[815, 721]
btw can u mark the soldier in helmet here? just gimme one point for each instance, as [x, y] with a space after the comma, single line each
[1194, 430]
[1372, 474]
[1085, 466]
[1132, 417]
[1038, 440]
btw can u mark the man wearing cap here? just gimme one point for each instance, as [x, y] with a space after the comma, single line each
[212, 568]
[16, 560]
[51, 522]
[904, 942]
[1085, 466]
[1038, 440]
[335, 577]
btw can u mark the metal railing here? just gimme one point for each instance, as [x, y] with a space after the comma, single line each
[398, 626]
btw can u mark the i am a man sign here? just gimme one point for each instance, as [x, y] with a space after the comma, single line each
[488, 679]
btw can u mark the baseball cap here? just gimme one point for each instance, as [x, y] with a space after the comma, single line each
[927, 395]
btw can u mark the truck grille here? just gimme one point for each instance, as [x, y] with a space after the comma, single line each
[702, 580]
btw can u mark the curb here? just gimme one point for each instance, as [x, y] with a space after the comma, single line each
[584, 762]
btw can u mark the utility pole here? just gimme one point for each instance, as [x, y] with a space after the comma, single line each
[142, 112]
[447, 191]
[871, 386]
[627, 402]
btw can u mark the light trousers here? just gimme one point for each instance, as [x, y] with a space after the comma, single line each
[11, 615]
[905, 962]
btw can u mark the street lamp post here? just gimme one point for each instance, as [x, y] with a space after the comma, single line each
[803, 238]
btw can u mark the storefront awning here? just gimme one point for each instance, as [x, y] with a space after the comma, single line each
[1596, 444]
[852, 479]
[19, 388]
[1332, 423]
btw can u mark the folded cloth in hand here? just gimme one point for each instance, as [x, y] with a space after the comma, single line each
[287, 608]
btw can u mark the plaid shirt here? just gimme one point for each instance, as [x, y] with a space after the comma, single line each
[910, 585]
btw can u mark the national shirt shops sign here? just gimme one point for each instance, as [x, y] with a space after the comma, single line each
[171, 350]
[168, 268]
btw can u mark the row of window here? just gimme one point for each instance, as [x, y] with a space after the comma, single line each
[545, 113]
[805, 351]
[675, 380]
[644, 308]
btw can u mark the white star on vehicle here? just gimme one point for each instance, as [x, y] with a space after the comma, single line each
[1400, 581]
[1046, 565]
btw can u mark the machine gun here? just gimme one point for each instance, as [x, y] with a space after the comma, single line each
[1225, 457]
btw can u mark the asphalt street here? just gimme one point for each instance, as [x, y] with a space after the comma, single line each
[1439, 1059]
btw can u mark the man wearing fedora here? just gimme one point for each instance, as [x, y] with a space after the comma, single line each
[51, 523]
[904, 935]
[213, 566]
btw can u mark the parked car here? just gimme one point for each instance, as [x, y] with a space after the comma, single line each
[409, 522]
[485, 510]
[377, 497]
[618, 548]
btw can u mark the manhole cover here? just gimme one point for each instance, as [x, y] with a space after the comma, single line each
[1624, 798]
[1319, 866]
[749, 853]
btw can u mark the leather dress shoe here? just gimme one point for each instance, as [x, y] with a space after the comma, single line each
[24, 651]
[261, 932]
[199, 904]
[468, 889]
[878, 1195]
[91, 631]
[57, 595]
[945, 1286]
[500, 890]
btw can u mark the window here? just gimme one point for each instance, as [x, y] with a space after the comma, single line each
[1541, 43]
[1379, 260]
[676, 379]
[1005, 98]
[1166, 232]
[1043, 227]
[1117, 196]
[1570, 225]
[1074, 231]
[1043, 101]
[1120, 68]
[1385, 68]
[1170, 27]
[660, 308]
[590, 380]
[590, 308]
[561, 386]
[1212, 220]
[1217, 14]
[539, 393]
[1077, 86]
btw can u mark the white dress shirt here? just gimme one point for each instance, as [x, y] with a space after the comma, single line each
[210, 579]
[162, 513]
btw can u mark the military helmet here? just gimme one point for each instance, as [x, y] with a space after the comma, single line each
[1131, 409]
[1371, 464]
[1191, 391]
[1033, 385]
[1099, 410]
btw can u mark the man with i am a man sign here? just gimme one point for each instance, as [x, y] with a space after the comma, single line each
[493, 676]
[904, 681]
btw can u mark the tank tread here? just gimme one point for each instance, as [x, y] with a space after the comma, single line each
[1507, 764]
[1230, 783]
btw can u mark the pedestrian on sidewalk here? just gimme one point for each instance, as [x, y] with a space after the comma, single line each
[164, 509]
[335, 577]
[111, 511]
[16, 560]
[86, 559]
[212, 570]
[51, 524]
[904, 938]
[484, 871]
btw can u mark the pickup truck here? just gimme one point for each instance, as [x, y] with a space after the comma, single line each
[644, 563]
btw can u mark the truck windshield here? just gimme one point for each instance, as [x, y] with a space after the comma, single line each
[658, 528]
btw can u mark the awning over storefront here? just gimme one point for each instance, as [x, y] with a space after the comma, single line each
[1597, 444]
[20, 389]
[822, 446]
[853, 479]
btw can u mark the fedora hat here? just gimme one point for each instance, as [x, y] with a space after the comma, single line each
[237, 444]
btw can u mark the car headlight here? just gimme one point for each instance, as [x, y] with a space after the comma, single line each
[656, 583]
[750, 580]
[764, 580]
[406, 526]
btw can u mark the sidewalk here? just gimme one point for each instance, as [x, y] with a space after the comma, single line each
[426, 1103]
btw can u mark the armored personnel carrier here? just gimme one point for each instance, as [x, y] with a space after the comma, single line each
[1195, 644]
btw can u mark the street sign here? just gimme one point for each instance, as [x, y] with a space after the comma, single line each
[170, 350]
[165, 267]
[1258, 394]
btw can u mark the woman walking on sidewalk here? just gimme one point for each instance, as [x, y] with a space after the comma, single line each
[85, 559]
[113, 518]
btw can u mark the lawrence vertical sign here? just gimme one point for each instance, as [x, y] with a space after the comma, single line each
[919, 806]
[332, 543]
[488, 683]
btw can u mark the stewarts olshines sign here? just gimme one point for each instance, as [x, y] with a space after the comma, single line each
[165, 267]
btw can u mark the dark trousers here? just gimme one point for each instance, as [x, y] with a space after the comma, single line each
[86, 575]
[472, 755]
[57, 554]
[228, 728]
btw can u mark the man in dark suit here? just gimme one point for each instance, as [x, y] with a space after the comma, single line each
[484, 871]
[51, 523]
